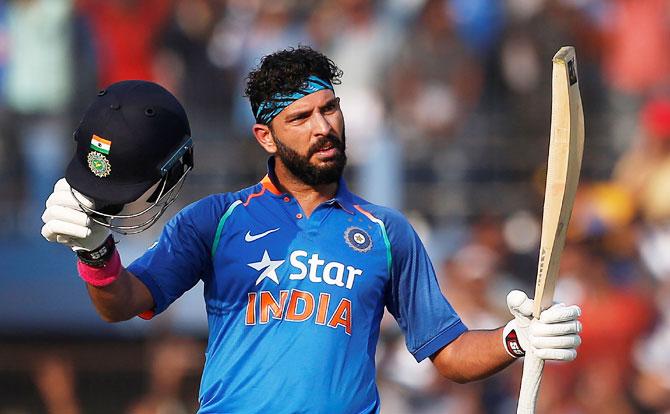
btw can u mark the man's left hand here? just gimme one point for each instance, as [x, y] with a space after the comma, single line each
[554, 336]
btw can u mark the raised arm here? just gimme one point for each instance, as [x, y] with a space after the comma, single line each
[116, 294]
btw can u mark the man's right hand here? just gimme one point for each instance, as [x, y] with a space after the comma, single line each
[65, 221]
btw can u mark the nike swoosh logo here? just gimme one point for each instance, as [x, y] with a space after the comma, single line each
[249, 237]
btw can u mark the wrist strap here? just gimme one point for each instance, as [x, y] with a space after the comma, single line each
[511, 340]
[100, 256]
[101, 276]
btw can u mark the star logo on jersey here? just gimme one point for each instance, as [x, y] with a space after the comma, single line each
[268, 266]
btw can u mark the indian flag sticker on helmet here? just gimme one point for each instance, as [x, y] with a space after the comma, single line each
[100, 144]
[98, 164]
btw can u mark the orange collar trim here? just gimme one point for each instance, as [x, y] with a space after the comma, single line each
[270, 186]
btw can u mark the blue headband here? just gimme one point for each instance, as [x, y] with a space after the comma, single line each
[269, 109]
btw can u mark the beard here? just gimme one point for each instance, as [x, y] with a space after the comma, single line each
[304, 170]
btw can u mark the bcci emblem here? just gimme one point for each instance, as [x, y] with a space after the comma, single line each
[98, 164]
[358, 239]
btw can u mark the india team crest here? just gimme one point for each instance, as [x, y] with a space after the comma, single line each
[358, 239]
[98, 164]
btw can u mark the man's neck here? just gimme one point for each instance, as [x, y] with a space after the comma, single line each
[308, 196]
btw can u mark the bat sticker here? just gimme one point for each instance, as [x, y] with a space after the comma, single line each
[572, 72]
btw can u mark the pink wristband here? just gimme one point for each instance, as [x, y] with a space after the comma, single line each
[101, 276]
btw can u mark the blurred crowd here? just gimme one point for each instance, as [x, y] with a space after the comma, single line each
[447, 108]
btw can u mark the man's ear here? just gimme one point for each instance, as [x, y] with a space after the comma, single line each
[263, 135]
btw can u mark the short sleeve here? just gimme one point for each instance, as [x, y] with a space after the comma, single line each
[181, 256]
[413, 296]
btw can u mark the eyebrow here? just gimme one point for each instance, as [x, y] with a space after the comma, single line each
[330, 102]
[299, 113]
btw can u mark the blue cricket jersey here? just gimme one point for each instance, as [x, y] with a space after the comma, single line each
[294, 303]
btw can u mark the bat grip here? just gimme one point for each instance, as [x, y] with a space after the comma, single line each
[530, 383]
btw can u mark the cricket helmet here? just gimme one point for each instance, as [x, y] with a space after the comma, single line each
[134, 136]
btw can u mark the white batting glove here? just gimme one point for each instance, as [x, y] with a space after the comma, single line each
[65, 222]
[554, 336]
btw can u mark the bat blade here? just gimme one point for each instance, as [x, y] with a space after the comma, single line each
[566, 145]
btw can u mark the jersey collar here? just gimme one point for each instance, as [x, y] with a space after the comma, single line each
[343, 197]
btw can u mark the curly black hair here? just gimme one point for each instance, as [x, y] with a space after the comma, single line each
[286, 71]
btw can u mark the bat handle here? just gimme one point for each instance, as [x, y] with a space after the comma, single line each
[530, 383]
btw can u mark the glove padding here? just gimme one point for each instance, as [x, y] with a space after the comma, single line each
[65, 222]
[554, 336]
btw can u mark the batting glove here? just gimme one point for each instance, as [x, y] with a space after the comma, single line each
[554, 336]
[65, 222]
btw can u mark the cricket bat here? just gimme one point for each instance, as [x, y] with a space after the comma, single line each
[566, 146]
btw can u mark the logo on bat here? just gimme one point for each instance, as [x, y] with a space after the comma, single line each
[572, 72]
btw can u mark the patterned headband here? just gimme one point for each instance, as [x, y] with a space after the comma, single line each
[269, 109]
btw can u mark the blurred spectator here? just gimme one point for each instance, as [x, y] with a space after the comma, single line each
[614, 318]
[55, 379]
[247, 31]
[35, 127]
[186, 67]
[319, 24]
[601, 209]
[652, 360]
[636, 53]
[469, 281]
[433, 70]
[645, 168]
[432, 88]
[479, 23]
[4, 46]
[635, 58]
[11, 166]
[171, 361]
[125, 34]
[535, 31]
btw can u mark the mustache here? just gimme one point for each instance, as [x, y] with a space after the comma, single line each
[323, 141]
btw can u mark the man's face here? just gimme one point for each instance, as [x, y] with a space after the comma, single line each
[310, 140]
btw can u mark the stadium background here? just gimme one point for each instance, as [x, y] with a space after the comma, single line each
[447, 104]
